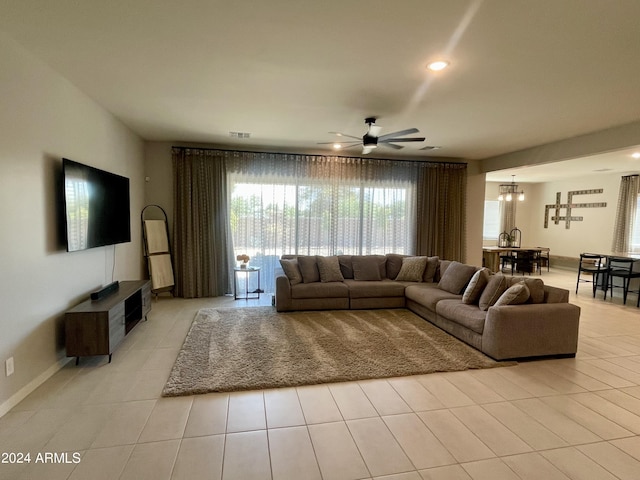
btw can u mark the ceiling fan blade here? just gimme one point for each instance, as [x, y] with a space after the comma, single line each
[339, 141]
[344, 135]
[392, 145]
[412, 139]
[398, 134]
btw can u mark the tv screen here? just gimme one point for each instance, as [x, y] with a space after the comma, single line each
[96, 204]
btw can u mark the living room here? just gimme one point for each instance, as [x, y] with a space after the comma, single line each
[50, 112]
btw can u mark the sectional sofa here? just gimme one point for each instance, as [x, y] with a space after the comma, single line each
[504, 317]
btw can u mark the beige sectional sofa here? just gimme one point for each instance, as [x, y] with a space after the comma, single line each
[504, 317]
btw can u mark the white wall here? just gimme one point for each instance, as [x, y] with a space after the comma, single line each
[44, 118]
[593, 234]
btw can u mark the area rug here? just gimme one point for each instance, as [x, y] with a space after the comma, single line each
[236, 349]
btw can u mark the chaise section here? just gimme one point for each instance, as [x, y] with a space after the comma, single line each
[518, 331]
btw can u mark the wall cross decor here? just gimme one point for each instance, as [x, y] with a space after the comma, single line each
[569, 206]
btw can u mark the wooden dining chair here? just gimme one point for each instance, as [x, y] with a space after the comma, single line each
[621, 267]
[595, 265]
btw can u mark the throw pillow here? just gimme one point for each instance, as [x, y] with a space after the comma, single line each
[394, 264]
[346, 266]
[496, 287]
[368, 267]
[329, 268]
[476, 286]
[514, 295]
[456, 277]
[412, 269]
[536, 290]
[291, 270]
[431, 269]
[309, 269]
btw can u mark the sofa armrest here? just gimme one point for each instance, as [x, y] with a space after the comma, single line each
[283, 294]
[531, 330]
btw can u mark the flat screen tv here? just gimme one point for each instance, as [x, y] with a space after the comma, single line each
[96, 207]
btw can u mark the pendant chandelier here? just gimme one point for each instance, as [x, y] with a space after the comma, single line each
[510, 190]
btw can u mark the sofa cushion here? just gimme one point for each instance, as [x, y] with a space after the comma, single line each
[440, 269]
[431, 270]
[428, 295]
[381, 289]
[309, 269]
[476, 286]
[329, 268]
[346, 265]
[495, 287]
[469, 316]
[394, 264]
[514, 295]
[368, 267]
[291, 270]
[412, 269]
[456, 277]
[535, 286]
[320, 290]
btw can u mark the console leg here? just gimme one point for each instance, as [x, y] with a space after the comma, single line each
[110, 358]
[77, 360]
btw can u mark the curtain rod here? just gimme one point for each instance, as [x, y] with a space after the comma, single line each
[318, 155]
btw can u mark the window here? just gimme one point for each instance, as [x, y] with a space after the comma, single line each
[272, 216]
[635, 235]
[491, 227]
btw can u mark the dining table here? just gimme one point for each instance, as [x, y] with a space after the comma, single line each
[491, 255]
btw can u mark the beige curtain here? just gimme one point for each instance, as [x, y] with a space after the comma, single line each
[508, 215]
[441, 211]
[626, 213]
[200, 227]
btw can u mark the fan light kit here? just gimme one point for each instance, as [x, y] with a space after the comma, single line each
[372, 139]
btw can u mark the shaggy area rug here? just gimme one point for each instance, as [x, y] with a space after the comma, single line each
[253, 348]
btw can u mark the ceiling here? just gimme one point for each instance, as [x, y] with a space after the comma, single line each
[522, 73]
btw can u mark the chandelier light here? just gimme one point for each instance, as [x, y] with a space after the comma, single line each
[510, 190]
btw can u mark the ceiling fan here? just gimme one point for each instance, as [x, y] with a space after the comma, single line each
[372, 138]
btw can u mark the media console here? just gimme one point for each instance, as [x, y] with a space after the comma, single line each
[96, 327]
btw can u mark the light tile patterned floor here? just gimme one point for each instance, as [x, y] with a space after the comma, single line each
[553, 419]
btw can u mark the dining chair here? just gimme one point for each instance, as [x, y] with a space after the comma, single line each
[621, 267]
[543, 258]
[595, 265]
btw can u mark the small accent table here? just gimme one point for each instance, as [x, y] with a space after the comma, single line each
[238, 274]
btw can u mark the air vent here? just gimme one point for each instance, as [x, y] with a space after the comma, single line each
[603, 170]
[430, 147]
[239, 134]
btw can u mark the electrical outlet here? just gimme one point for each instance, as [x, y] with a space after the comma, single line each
[9, 366]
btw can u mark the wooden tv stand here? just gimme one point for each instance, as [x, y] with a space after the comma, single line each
[96, 327]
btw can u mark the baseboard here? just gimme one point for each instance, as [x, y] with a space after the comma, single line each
[21, 394]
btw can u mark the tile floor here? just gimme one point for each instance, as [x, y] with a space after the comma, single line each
[554, 419]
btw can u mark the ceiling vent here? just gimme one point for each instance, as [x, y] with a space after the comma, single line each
[239, 134]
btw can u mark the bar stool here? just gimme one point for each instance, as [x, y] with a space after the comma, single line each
[621, 267]
[595, 265]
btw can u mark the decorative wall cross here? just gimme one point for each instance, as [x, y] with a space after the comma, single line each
[569, 206]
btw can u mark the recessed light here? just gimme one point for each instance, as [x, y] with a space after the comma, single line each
[636, 155]
[438, 65]
[337, 146]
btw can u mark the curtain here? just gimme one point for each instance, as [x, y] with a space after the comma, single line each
[626, 213]
[441, 211]
[200, 227]
[319, 205]
[507, 215]
[265, 205]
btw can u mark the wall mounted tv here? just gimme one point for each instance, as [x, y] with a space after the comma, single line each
[96, 207]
